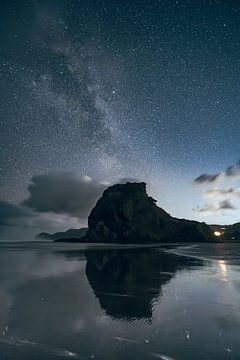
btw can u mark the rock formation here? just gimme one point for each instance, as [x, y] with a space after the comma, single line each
[126, 214]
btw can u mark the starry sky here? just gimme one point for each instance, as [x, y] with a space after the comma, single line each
[97, 92]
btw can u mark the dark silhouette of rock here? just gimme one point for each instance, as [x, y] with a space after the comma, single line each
[126, 214]
[69, 234]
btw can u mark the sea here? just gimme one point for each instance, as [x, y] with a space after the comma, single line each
[102, 302]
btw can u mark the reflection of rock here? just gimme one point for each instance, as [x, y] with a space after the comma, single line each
[126, 214]
[126, 282]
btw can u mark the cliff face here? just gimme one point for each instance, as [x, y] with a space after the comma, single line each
[126, 214]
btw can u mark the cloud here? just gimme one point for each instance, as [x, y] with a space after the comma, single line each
[218, 200]
[207, 209]
[223, 193]
[230, 171]
[227, 205]
[11, 211]
[15, 220]
[233, 170]
[128, 179]
[63, 193]
[18, 222]
[221, 197]
[206, 178]
[215, 208]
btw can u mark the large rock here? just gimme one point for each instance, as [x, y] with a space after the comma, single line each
[126, 214]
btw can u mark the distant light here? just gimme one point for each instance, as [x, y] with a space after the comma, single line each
[217, 233]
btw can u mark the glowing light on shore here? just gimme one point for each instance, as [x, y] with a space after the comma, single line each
[217, 233]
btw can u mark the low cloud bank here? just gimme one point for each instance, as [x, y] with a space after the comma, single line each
[18, 222]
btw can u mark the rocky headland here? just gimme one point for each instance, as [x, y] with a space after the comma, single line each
[126, 214]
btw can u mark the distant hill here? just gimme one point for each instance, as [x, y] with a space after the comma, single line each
[231, 232]
[227, 233]
[69, 234]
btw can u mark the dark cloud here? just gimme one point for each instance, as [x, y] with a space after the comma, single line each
[18, 222]
[233, 170]
[15, 221]
[125, 180]
[230, 171]
[206, 178]
[226, 205]
[10, 211]
[63, 193]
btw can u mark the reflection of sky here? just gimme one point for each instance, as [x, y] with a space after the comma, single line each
[46, 299]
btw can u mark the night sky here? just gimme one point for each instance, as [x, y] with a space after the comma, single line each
[97, 92]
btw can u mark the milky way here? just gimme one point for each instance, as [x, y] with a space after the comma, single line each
[120, 89]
